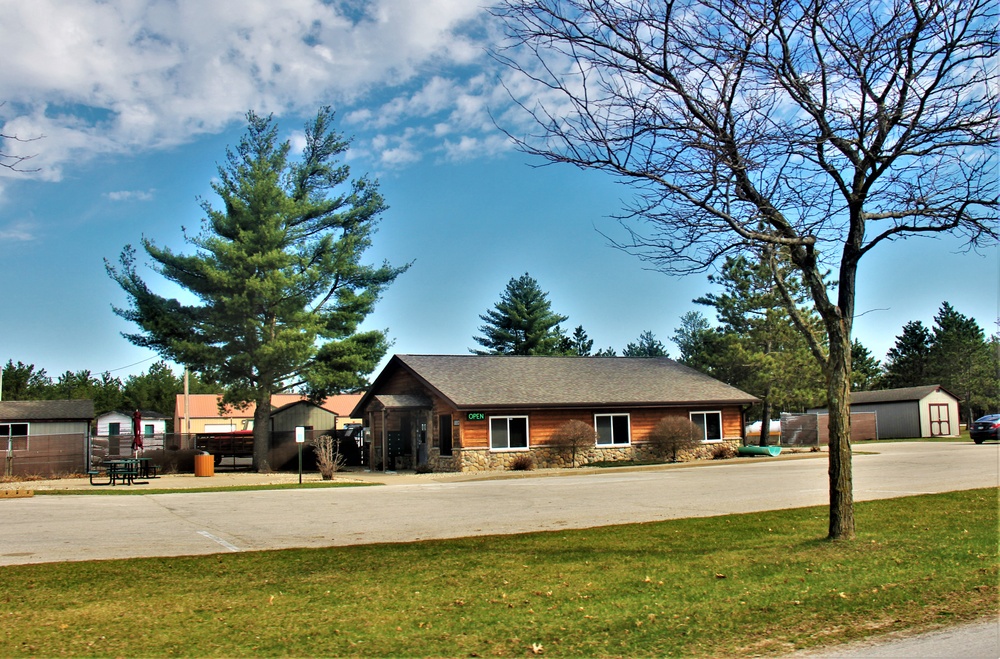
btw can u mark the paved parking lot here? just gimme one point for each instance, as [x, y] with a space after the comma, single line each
[406, 508]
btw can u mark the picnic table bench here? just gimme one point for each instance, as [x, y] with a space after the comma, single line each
[126, 471]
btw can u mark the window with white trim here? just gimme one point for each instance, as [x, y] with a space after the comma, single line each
[14, 436]
[710, 424]
[612, 429]
[508, 433]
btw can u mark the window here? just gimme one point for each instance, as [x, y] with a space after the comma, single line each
[14, 436]
[148, 430]
[710, 424]
[612, 429]
[508, 433]
[114, 428]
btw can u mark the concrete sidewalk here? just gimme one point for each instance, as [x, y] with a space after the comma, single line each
[222, 479]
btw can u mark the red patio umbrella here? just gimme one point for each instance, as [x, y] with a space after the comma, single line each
[137, 432]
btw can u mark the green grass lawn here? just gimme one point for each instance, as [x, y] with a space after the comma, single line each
[761, 583]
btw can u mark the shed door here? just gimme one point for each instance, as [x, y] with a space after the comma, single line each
[940, 420]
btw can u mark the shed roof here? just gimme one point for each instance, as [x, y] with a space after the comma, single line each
[300, 402]
[469, 381]
[902, 395]
[46, 410]
[147, 415]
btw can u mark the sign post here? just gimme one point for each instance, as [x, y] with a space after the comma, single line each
[300, 439]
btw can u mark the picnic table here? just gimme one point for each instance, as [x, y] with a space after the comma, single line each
[125, 471]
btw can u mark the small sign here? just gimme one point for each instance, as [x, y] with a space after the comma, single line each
[476, 416]
[300, 435]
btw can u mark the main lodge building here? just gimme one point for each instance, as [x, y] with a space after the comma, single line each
[481, 412]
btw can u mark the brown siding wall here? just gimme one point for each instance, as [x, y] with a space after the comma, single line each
[542, 424]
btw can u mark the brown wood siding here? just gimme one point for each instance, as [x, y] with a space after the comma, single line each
[476, 434]
[402, 382]
[542, 424]
[732, 423]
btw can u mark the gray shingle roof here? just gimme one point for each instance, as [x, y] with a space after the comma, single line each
[895, 395]
[508, 381]
[46, 410]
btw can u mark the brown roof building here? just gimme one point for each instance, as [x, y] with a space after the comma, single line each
[202, 410]
[481, 412]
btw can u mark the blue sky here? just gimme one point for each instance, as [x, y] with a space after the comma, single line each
[137, 102]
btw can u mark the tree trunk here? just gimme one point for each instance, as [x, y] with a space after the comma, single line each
[262, 433]
[839, 402]
[765, 419]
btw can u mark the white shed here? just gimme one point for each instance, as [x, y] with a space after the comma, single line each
[120, 423]
[928, 411]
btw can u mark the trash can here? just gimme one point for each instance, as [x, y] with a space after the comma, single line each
[204, 464]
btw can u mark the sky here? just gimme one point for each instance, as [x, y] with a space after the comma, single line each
[133, 103]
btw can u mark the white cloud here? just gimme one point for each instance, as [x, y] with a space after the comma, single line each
[110, 76]
[18, 232]
[131, 195]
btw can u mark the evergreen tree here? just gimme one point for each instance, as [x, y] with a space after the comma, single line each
[866, 371]
[521, 323]
[907, 364]
[960, 357]
[694, 338]
[277, 273]
[646, 346]
[580, 344]
[757, 346]
[106, 391]
[23, 382]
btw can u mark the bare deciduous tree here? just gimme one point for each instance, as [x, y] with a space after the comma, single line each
[575, 437]
[809, 131]
[14, 161]
[673, 435]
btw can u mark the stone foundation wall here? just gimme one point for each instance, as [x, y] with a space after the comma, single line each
[545, 457]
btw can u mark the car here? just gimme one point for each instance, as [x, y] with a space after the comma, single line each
[985, 427]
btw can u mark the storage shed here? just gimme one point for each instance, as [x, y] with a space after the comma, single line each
[928, 411]
[45, 437]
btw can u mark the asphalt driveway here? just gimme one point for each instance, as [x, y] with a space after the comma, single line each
[68, 528]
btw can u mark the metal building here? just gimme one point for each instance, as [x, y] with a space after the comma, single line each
[928, 411]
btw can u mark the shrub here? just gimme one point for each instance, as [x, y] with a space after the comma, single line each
[723, 451]
[522, 463]
[575, 437]
[672, 435]
[328, 457]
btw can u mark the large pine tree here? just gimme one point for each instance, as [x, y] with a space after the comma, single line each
[277, 275]
[756, 347]
[521, 323]
[907, 364]
[960, 358]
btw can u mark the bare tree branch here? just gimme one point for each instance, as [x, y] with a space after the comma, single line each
[818, 128]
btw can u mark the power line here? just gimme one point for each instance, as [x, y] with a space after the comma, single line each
[113, 370]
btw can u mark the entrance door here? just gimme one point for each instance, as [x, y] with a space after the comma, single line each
[444, 423]
[940, 420]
